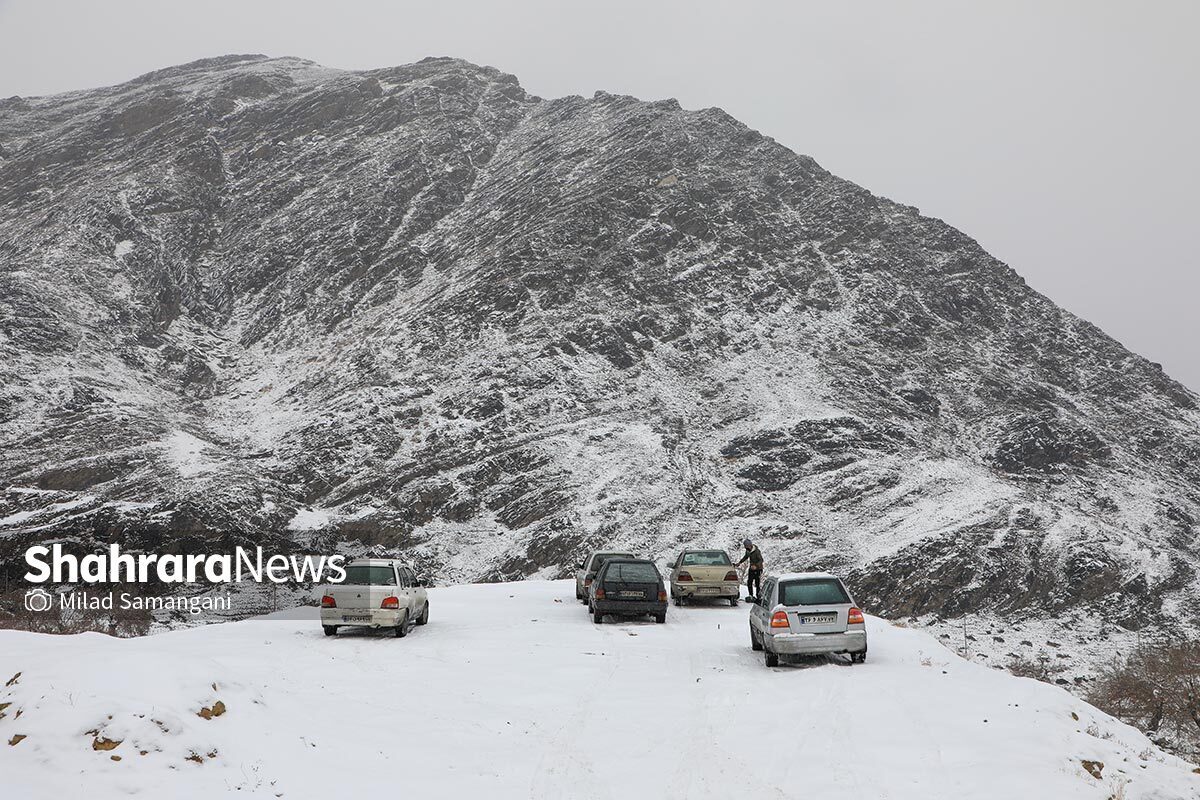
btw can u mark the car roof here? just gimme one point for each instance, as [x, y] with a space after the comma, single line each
[612, 553]
[630, 560]
[792, 576]
[377, 562]
[705, 550]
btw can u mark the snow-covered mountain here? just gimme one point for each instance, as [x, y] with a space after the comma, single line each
[260, 300]
[531, 700]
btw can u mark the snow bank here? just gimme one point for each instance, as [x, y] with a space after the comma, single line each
[511, 692]
[186, 453]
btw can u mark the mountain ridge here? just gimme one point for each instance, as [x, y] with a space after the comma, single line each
[418, 308]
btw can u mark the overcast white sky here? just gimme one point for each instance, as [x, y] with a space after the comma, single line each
[1064, 136]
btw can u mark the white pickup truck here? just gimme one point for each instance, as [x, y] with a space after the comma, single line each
[377, 593]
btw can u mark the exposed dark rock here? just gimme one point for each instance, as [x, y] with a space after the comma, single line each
[1044, 442]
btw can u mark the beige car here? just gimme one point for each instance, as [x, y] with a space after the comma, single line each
[704, 574]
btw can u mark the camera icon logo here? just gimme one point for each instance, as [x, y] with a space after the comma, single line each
[38, 600]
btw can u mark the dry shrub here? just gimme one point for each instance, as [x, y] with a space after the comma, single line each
[1156, 689]
[1043, 668]
[117, 622]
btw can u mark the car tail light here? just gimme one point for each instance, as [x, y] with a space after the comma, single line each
[600, 594]
[683, 576]
[855, 617]
[779, 620]
[328, 602]
[390, 602]
[731, 576]
[662, 596]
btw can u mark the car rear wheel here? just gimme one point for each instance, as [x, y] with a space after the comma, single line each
[660, 618]
[755, 644]
[597, 617]
[733, 602]
[330, 630]
[424, 618]
[858, 658]
[771, 659]
[402, 628]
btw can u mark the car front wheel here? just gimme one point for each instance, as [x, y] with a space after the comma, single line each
[755, 644]
[402, 627]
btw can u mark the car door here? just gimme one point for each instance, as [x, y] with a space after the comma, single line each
[418, 592]
[762, 604]
[404, 589]
[582, 574]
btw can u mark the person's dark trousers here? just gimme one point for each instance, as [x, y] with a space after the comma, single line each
[752, 581]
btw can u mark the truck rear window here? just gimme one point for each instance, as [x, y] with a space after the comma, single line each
[363, 575]
[814, 592]
[631, 573]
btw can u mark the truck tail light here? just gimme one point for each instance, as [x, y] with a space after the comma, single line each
[683, 576]
[600, 594]
[779, 620]
[855, 617]
[328, 602]
[662, 596]
[390, 602]
[731, 576]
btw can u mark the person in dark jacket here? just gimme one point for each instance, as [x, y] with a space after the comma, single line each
[754, 573]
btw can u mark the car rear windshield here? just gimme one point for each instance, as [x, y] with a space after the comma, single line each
[814, 592]
[706, 558]
[375, 575]
[599, 559]
[631, 573]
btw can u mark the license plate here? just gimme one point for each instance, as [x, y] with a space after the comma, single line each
[633, 595]
[708, 590]
[818, 619]
[356, 617]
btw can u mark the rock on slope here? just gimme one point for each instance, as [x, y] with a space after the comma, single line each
[259, 300]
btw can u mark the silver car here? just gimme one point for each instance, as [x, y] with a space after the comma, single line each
[806, 613]
[586, 572]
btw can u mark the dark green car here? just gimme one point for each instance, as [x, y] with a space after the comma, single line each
[628, 587]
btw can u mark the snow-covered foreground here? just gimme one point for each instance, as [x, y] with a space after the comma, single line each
[512, 692]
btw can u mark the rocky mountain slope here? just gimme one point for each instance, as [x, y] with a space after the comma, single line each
[258, 300]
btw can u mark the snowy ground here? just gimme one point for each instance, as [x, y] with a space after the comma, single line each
[512, 692]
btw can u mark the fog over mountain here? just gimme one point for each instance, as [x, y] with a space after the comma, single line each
[253, 300]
